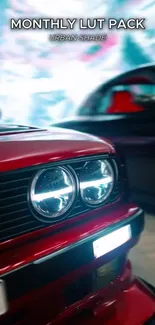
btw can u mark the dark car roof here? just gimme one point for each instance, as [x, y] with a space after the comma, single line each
[136, 75]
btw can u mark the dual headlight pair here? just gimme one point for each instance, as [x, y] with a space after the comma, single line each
[53, 191]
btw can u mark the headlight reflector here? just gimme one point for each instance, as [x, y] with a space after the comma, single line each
[52, 192]
[96, 182]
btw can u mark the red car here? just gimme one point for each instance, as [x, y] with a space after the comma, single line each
[66, 228]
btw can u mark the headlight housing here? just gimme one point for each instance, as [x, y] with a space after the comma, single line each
[96, 182]
[53, 192]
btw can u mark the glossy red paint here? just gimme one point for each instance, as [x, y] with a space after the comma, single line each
[31, 251]
[126, 301]
[119, 298]
[34, 307]
[32, 148]
[134, 306]
[91, 302]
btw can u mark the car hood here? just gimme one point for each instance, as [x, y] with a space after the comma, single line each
[33, 147]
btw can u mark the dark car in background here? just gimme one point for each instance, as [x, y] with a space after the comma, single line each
[123, 109]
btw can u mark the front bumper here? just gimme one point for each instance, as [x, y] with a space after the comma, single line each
[37, 290]
[133, 306]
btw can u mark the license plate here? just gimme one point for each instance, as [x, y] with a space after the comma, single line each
[3, 300]
[111, 241]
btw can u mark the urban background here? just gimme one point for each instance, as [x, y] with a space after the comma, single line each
[42, 81]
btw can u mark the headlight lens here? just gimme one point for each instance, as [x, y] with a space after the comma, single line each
[96, 182]
[52, 192]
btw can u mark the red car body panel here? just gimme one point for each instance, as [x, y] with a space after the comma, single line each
[124, 301]
[133, 306]
[38, 312]
[33, 251]
[21, 150]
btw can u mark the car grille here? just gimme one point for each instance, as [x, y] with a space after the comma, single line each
[16, 217]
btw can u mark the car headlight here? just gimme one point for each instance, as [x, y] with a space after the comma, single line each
[96, 182]
[52, 192]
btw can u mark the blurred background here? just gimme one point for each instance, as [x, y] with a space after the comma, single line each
[44, 81]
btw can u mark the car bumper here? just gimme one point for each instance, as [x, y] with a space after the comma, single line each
[134, 306]
[44, 296]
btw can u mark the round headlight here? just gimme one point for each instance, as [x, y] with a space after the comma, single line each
[52, 192]
[96, 182]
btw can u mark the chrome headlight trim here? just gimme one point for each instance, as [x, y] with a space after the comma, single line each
[92, 183]
[70, 190]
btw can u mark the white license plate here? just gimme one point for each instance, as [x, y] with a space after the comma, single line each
[3, 300]
[111, 241]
